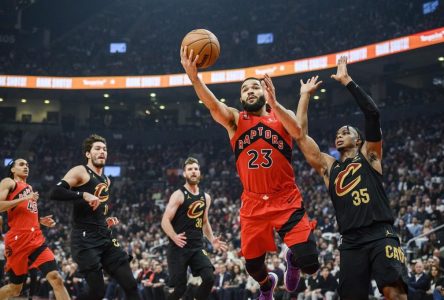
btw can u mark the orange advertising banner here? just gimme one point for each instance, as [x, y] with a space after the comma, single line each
[389, 47]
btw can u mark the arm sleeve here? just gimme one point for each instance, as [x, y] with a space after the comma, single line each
[62, 192]
[370, 110]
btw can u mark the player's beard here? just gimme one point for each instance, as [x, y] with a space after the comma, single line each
[97, 164]
[256, 106]
[192, 181]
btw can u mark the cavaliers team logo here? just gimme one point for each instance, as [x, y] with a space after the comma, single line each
[342, 189]
[101, 192]
[195, 210]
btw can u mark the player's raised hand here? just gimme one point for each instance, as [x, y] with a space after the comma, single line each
[219, 245]
[112, 221]
[341, 72]
[188, 63]
[310, 86]
[92, 200]
[180, 239]
[269, 91]
[47, 221]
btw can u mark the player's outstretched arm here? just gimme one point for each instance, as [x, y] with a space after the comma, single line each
[175, 201]
[372, 148]
[221, 113]
[6, 186]
[217, 243]
[321, 162]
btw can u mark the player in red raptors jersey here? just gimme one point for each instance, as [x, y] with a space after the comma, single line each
[25, 246]
[271, 201]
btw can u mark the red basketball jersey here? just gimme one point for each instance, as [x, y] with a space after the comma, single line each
[263, 152]
[25, 215]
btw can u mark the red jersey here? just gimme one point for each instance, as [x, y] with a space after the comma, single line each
[25, 215]
[263, 152]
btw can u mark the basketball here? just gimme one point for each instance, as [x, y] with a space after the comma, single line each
[205, 44]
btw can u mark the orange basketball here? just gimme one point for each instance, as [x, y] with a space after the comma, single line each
[205, 44]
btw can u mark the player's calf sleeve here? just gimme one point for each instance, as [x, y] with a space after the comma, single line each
[124, 277]
[256, 268]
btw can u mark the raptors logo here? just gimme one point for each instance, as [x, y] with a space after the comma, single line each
[195, 210]
[101, 192]
[342, 189]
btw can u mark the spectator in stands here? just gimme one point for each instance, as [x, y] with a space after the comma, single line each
[419, 282]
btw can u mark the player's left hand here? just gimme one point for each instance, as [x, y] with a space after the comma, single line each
[112, 221]
[219, 245]
[269, 91]
[47, 221]
[310, 86]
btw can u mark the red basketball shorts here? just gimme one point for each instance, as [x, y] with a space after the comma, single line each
[25, 250]
[262, 215]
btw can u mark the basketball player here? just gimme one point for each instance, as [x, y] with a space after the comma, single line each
[93, 246]
[184, 221]
[271, 200]
[370, 247]
[25, 246]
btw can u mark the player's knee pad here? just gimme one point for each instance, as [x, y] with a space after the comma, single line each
[255, 265]
[305, 255]
[308, 264]
[207, 277]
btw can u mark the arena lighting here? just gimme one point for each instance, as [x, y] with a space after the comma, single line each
[105, 95]
[162, 107]
[106, 107]
[23, 100]
[1, 99]
[316, 97]
[47, 101]
[152, 95]
[441, 58]
[200, 101]
[222, 100]
[323, 90]
[147, 112]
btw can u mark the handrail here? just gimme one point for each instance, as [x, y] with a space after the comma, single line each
[423, 235]
[158, 246]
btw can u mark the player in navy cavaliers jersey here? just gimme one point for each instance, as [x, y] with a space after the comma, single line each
[271, 201]
[93, 245]
[185, 221]
[370, 248]
[25, 246]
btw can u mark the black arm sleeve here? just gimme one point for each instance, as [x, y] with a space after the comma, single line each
[370, 110]
[63, 192]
